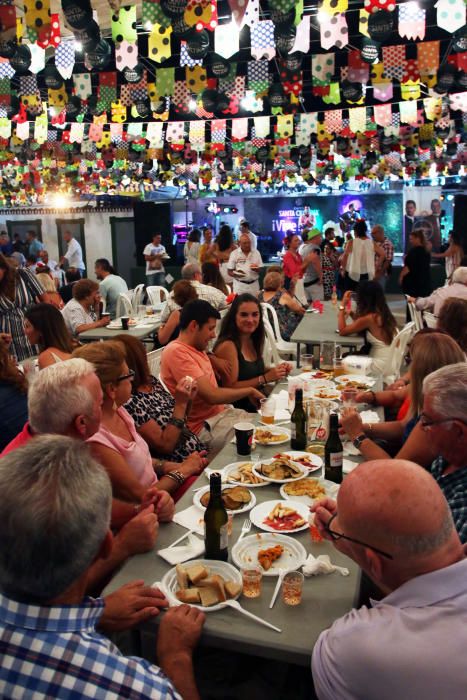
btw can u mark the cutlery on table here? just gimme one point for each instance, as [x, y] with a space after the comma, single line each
[246, 527]
[236, 606]
[282, 573]
[188, 532]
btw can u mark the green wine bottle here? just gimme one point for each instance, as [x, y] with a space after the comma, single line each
[333, 452]
[215, 521]
[298, 420]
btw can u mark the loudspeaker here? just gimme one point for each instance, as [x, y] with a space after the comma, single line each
[151, 218]
[460, 217]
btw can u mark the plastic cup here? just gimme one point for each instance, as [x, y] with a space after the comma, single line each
[252, 577]
[125, 320]
[349, 397]
[244, 437]
[339, 368]
[292, 587]
[268, 410]
[306, 362]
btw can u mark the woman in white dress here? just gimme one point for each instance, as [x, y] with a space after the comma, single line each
[453, 255]
[373, 318]
[192, 246]
[358, 260]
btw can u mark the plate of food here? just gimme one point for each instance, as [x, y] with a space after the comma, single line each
[309, 490]
[326, 393]
[316, 448]
[280, 516]
[354, 381]
[315, 383]
[310, 461]
[271, 551]
[241, 474]
[203, 583]
[237, 499]
[280, 470]
[271, 436]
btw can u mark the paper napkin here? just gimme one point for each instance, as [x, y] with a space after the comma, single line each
[193, 547]
[191, 518]
[314, 566]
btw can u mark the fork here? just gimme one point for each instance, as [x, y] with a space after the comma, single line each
[246, 527]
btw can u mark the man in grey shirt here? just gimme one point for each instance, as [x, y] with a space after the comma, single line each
[110, 285]
[313, 276]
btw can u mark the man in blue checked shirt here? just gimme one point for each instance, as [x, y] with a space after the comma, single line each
[54, 523]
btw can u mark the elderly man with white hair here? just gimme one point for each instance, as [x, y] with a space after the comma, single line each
[392, 519]
[66, 399]
[54, 523]
[457, 288]
[191, 272]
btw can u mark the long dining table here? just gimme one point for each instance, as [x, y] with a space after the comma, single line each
[143, 329]
[325, 597]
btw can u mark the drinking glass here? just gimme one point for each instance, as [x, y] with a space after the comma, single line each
[327, 351]
[292, 587]
[339, 368]
[268, 410]
[349, 397]
[141, 311]
[252, 578]
[306, 362]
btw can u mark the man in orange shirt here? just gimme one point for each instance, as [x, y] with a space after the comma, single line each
[209, 418]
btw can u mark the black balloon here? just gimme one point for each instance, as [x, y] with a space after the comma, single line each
[459, 40]
[143, 108]
[21, 60]
[451, 149]
[284, 38]
[100, 56]
[262, 154]
[173, 8]
[222, 102]
[209, 99]
[370, 50]
[73, 107]
[197, 44]
[461, 80]
[133, 75]
[381, 25]
[293, 62]
[8, 48]
[180, 28]
[52, 77]
[351, 92]
[89, 36]
[220, 67]
[13, 107]
[445, 78]
[93, 105]
[78, 13]
[282, 19]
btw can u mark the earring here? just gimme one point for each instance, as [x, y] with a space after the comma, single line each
[114, 406]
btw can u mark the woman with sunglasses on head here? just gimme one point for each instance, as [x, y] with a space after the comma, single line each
[117, 445]
[430, 352]
[45, 327]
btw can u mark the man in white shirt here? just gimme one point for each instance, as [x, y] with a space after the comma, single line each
[74, 254]
[393, 520]
[110, 285]
[154, 253]
[57, 273]
[192, 273]
[244, 266]
[244, 228]
[457, 288]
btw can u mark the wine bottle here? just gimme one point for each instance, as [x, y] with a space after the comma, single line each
[298, 420]
[333, 452]
[215, 521]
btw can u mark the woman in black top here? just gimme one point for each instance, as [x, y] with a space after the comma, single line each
[241, 342]
[415, 276]
[13, 396]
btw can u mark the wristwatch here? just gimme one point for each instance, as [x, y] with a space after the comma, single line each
[358, 440]
[177, 422]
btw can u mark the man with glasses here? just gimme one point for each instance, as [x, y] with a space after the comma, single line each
[392, 519]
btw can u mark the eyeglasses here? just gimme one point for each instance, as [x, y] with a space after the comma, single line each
[426, 422]
[130, 375]
[340, 536]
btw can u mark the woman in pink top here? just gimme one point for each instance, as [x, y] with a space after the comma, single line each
[117, 445]
[293, 264]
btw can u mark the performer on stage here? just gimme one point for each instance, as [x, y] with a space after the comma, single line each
[349, 218]
[307, 220]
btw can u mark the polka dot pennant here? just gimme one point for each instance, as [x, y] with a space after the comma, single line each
[27, 84]
[36, 16]
[428, 56]
[334, 7]
[76, 132]
[451, 14]
[126, 55]
[197, 133]
[284, 128]
[408, 112]
[5, 128]
[165, 78]
[262, 40]
[196, 78]
[185, 58]
[6, 70]
[49, 34]
[258, 76]
[363, 22]
[322, 68]
[37, 58]
[383, 92]
[152, 13]
[411, 21]
[433, 107]
[410, 90]
[302, 37]
[181, 96]
[124, 24]
[394, 61]
[159, 43]
[226, 40]
[65, 59]
[357, 117]
[118, 112]
[201, 14]
[458, 101]
[175, 132]
[333, 120]
[251, 15]
[334, 94]
[376, 5]
[218, 130]
[57, 98]
[83, 87]
[411, 71]
[334, 32]
[239, 129]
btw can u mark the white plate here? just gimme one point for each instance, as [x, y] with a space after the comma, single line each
[332, 394]
[315, 459]
[223, 568]
[245, 552]
[262, 510]
[359, 378]
[274, 431]
[232, 468]
[248, 506]
[316, 383]
[257, 471]
[330, 487]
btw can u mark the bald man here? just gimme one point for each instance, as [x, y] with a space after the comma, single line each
[393, 520]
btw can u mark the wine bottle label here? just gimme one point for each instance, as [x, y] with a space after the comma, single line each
[336, 459]
[224, 536]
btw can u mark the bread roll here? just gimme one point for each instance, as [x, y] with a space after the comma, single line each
[232, 589]
[182, 576]
[197, 573]
[208, 595]
[189, 595]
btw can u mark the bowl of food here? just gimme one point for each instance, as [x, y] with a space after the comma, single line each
[280, 470]
[202, 583]
[236, 499]
[271, 436]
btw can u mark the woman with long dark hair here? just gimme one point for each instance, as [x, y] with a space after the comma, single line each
[415, 276]
[223, 246]
[44, 326]
[372, 317]
[453, 255]
[213, 278]
[192, 246]
[18, 290]
[241, 342]
[13, 398]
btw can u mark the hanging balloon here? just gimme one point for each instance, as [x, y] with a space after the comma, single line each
[133, 75]
[89, 36]
[294, 155]
[293, 62]
[13, 108]
[220, 67]
[370, 50]
[459, 40]
[284, 38]
[173, 8]
[461, 81]
[21, 60]
[425, 144]
[52, 77]
[262, 154]
[386, 145]
[276, 95]
[8, 48]
[342, 145]
[78, 13]
[445, 78]
[93, 106]
[222, 102]
[197, 44]
[351, 92]
[409, 153]
[280, 18]
[73, 107]
[100, 56]
[305, 160]
[180, 28]
[159, 106]
[209, 99]
[143, 108]
[451, 149]
[381, 25]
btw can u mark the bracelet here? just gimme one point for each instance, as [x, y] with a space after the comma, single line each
[177, 422]
[177, 477]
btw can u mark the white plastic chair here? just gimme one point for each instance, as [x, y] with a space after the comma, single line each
[154, 361]
[415, 315]
[157, 294]
[271, 355]
[137, 296]
[430, 319]
[397, 352]
[124, 305]
[284, 347]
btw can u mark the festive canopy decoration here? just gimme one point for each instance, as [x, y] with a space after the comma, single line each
[196, 92]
